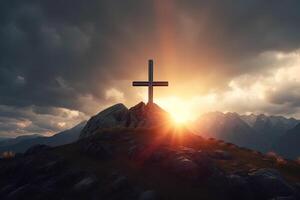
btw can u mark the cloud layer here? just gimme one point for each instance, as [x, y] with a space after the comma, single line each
[58, 58]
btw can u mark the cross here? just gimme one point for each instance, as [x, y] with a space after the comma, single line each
[150, 83]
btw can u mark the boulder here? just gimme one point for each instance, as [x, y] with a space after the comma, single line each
[148, 195]
[184, 167]
[238, 187]
[268, 183]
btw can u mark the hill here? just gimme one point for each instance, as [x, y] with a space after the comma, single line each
[153, 162]
[132, 163]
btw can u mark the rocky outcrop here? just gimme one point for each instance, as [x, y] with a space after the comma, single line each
[46, 175]
[43, 175]
[187, 163]
[146, 115]
[118, 116]
[268, 183]
[111, 117]
[259, 184]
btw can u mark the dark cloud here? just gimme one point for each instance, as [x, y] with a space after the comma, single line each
[239, 31]
[65, 54]
[287, 94]
[33, 119]
[65, 49]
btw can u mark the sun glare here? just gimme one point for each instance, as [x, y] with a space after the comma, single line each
[179, 111]
[178, 118]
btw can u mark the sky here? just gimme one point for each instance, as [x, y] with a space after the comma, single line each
[64, 61]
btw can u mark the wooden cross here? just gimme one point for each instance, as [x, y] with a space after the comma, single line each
[150, 83]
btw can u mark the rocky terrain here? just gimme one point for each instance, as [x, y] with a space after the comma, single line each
[146, 162]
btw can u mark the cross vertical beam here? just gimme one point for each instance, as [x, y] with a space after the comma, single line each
[150, 83]
[150, 88]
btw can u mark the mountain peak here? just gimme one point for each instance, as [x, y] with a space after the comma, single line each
[119, 116]
[149, 108]
[139, 105]
[113, 108]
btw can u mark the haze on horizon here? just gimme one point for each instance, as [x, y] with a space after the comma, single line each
[63, 61]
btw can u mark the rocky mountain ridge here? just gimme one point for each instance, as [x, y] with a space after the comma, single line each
[119, 116]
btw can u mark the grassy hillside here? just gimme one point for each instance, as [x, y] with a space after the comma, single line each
[154, 177]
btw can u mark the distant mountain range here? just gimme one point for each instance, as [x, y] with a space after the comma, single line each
[11, 141]
[22, 143]
[260, 132]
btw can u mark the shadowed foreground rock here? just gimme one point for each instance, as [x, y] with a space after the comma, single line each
[43, 174]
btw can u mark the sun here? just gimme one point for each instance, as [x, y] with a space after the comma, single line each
[178, 109]
[179, 118]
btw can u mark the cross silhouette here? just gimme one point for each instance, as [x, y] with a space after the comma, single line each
[150, 83]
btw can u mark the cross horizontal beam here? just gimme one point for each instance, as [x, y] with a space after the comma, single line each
[160, 83]
[147, 83]
[150, 83]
